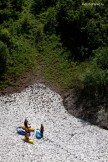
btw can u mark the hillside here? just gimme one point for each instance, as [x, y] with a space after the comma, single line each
[63, 43]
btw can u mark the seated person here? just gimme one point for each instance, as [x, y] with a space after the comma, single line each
[26, 127]
[39, 132]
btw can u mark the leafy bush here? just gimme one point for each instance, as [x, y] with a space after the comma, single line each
[101, 58]
[96, 78]
[5, 36]
[41, 5]
[3, 57]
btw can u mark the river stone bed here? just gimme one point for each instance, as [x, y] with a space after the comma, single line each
[66, 138]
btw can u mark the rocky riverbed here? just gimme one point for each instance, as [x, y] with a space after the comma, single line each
[66, 138]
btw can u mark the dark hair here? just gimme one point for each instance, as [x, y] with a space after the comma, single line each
[26, 123]
[42, 129]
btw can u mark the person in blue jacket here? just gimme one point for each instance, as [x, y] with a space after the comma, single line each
[39, 133]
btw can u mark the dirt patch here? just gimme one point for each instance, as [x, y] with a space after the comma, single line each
[29, 78]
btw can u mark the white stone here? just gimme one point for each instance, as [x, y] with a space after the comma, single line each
[66, 138]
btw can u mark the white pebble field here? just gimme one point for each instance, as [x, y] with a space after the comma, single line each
[66, 138]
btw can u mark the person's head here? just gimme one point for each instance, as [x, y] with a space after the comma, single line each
[42, 128]
[25, 122]
[42, 125]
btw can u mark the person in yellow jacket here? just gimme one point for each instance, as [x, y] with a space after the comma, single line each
[26, 123]
[26, 130]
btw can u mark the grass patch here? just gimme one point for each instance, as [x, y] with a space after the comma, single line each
[56, 68]
[21, 60]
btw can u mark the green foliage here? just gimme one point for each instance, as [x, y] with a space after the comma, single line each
[17, 30]
[17, 4]
[4, 11]
[3, 57]
[39, 6]
[101, 58]
[55, 66]
[5, 36]
[96, 79]
[25, 24]
[83, 28]
[63, 33]
[51, 22]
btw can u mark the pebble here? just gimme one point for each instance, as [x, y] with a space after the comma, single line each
[66, 139]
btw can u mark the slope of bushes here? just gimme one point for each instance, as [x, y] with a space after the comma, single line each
[65, 39]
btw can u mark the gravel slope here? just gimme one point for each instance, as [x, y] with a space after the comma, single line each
[66, 138]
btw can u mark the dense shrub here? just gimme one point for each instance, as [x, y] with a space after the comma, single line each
[3, 57]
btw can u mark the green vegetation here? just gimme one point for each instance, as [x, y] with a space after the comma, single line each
[3, 57]
[17, 30]
[67, 39]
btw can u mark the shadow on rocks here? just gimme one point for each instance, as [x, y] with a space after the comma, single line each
[89, 108]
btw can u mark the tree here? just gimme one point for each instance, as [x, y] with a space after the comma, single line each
[96, 79]
[83, 28]
[4, 53]
[17, 4]
[101, 58]
[41, 5]
[5, 10]
[5, 36]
